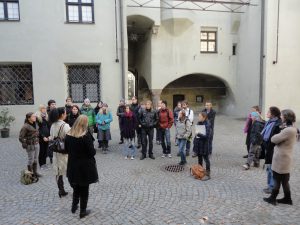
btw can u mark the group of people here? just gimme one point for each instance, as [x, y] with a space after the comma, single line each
[274, 142]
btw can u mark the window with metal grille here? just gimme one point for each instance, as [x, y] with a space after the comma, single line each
[208, 42]
[16, 86]
[84, 82]
[80, 11]
[9, 10]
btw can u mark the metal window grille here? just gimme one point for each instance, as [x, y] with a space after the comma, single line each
[16, 86]
[84, 82]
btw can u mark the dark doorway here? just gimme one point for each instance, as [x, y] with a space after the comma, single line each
[176, 99]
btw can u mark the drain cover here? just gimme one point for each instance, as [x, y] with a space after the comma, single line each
[174, 168]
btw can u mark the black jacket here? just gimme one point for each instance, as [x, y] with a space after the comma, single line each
[81, 169]
[255, 135]
[211, 117]
[72, 118]
[148, 118]
[268, 145]
[44, 128]
[201, 142]
[121, 111]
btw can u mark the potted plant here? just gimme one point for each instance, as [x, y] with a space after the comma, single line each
[5, 121]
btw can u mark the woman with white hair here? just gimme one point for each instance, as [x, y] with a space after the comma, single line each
[88, 110]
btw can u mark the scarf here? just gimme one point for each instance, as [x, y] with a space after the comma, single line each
[128, 114]
[266, 132]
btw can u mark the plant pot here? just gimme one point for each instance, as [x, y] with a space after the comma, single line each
[4, 133]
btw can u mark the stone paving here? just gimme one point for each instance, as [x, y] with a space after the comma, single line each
[141, 192]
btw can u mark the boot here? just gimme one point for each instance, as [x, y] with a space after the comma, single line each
[34, 168]
[60, 184]
[207, 176]
[83, 204]
[272, 198]
[75, 203]
[183, 159]
[142, 157]
[287, 199]
[29, 168]
[151, 156]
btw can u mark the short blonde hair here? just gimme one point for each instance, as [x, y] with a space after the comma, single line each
[80, 127]
[42, 106]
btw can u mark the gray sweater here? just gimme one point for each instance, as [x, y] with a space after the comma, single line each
[184, 129]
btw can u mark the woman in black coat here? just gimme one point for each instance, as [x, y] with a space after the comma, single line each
[81, 169]
[74, 114]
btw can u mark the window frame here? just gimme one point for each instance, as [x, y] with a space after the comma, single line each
[79, 4]
[5, 9]
[208, 40]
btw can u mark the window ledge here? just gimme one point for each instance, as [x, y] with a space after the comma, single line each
[209, 52]
[1, 20]
[80, 23]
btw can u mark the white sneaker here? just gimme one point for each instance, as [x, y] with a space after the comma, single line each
[170, 156]
[126, 157]
[246, 166]
[163, 156]
[132, 158]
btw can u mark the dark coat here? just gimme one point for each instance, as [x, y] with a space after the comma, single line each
[148, 118]
[68, 109]
[81, 169]
[129, 122]
[249, 125]
[29, 135]
[176, 113]
[72, 118]
[211, 117]
[44, 128]
[268, 146]
[135, 108]
[201, 142]
[255, 135]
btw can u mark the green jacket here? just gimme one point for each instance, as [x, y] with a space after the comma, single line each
[90, 113]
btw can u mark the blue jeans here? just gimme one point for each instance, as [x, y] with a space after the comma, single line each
[181, 146]
[270, 177]
[129, 151]
[165, 136]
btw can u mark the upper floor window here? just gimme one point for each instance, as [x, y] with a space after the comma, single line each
[80, 11]
[16, 85]
[208, 41]
[9, 10]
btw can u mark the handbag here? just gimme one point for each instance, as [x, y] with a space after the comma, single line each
[57, 144]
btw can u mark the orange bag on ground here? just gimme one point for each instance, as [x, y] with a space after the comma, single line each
[197, 171]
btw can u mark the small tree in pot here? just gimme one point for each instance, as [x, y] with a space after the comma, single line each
[5, 121]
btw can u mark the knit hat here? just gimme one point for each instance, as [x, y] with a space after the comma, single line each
[255, 115]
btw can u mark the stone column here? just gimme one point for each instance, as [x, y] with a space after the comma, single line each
[155, 96]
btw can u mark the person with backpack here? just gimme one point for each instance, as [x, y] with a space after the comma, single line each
[271, 128]
[148, 120]
[29, 138]
[88, 110]
[103, 120]
[59, 129]
[44, 133]
[165, 122]
[184, 130]
[189, 114]
[81, 169]
[211, 115]
[201, 143]
[129, 122]
[255, 140]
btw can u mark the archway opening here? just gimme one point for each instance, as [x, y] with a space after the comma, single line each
[197, 89]
[131, 85]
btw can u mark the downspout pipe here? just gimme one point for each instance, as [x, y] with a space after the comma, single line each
[262, 56]
[123, 72]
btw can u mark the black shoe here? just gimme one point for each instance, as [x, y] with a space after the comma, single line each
[84, 213]
[245, 156]
[139, 146]
[285, 200]
[182, 163]
[121, 142]
[270, 200]
[142, 157]
[130, 146]
[62, 193]
[151, 157]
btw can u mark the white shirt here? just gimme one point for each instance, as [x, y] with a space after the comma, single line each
[189, 112]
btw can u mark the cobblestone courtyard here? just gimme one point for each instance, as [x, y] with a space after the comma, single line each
[141, 192]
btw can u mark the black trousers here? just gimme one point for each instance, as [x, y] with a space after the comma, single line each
[147, 135]
[281, 179]
[139, 135]
[158, 134]
[206, 159]
[43, 152]
[80, 193]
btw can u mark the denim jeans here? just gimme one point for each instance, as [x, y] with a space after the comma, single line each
[165, 137]
[270, 177]
[181, 146]
[129, 151]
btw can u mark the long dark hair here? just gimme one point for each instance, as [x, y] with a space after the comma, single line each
[27, 117]
[56, 113]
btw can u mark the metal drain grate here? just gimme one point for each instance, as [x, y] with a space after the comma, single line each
[174, 168]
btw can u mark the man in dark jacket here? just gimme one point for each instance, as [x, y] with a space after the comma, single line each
[148, 120]
[166, 120]
[135, 107]
[68, 106]
[120, 114]
[211, 114]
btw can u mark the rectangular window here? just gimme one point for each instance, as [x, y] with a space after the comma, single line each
[9, 10]
[16, 85]
[80, 11]
[84, 82]
[208, 41]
